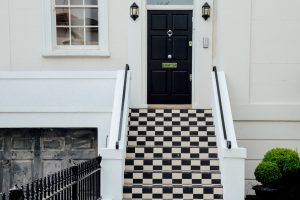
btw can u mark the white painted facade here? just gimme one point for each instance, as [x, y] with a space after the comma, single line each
[255, 42]
[257, 46]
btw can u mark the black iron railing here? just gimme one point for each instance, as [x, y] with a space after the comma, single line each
[228, 142]
[122, 106]
[79, 182]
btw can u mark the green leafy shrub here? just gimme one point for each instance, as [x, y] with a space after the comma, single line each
[267, 173]
[286, 159]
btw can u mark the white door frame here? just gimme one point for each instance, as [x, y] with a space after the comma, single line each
[201, 58]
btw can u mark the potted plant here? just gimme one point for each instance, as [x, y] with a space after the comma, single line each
[268, 174]
[287, 183]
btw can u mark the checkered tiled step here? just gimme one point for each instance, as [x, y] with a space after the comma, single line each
[172, 152]
[171, 131]
[136, 112]
[172, 164]
[172, 177]
[159, 117]
[175, 141]
[206, 192]
[157, 122]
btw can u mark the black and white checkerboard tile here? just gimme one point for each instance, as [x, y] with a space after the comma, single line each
[169, 141]
[171, 131]
[136, 112]
[173, 177]
[167, 117]
[172, 154]
[172, 192]
[172, 164]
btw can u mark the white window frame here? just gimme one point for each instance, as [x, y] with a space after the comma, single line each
[50, 48]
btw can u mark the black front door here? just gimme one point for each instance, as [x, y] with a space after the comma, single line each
[169, 57]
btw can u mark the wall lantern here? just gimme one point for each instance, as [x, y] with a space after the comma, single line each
[206, 11]
[134, 11]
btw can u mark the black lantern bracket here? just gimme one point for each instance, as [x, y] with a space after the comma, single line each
[134, 11]
[206, 11]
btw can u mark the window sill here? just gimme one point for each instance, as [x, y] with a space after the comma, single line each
[67, 53]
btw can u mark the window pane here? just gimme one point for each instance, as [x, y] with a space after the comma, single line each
[76, 2]
[77, 16]
[63, 36]
[62, 16]
[61, 2]
[92, 37]
[77, 36]
[91, 16]
[91, 2]
[170, 2]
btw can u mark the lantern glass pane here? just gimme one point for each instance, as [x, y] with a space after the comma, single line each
[206, 11]
[170, 2]
[135, 11]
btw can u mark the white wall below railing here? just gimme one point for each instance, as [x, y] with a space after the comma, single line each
[232, 161]
[58, 100]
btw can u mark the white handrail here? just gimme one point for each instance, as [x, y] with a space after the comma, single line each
[232, 161]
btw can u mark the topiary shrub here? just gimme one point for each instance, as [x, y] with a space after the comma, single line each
[267, 173]
[286, 159]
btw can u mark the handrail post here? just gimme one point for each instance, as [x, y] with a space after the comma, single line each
[74, 170]
[228, 142]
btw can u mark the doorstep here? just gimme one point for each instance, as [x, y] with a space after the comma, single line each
[170, 106]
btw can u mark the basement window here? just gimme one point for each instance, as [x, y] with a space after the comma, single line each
[76, 27]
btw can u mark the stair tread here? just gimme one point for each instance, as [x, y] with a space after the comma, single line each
[201, 159]
[202, 126]
[175, 185]
[173, 171]
[173, 146]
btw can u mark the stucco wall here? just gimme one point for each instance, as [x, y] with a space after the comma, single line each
[21, 39]
[257, 45]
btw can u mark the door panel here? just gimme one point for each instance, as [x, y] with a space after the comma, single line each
[159, 47]
[159, 83]
[169, 57]
[159, 22]
[180, 82]
[180, 47]
[181, 22]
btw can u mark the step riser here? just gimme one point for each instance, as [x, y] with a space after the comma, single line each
[170, 123]
[172, 133]
[172, 141]
[170, 178]
[173, 144]
[172, 152]
[168, 193]
[166, 165]
[173, 128]
[171, 119]
[173, 111]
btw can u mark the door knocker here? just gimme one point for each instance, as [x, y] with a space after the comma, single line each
[170, 33]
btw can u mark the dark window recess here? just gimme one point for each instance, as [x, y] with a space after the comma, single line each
[27, 154]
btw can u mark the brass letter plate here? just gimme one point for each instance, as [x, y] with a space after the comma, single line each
[169, 65]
